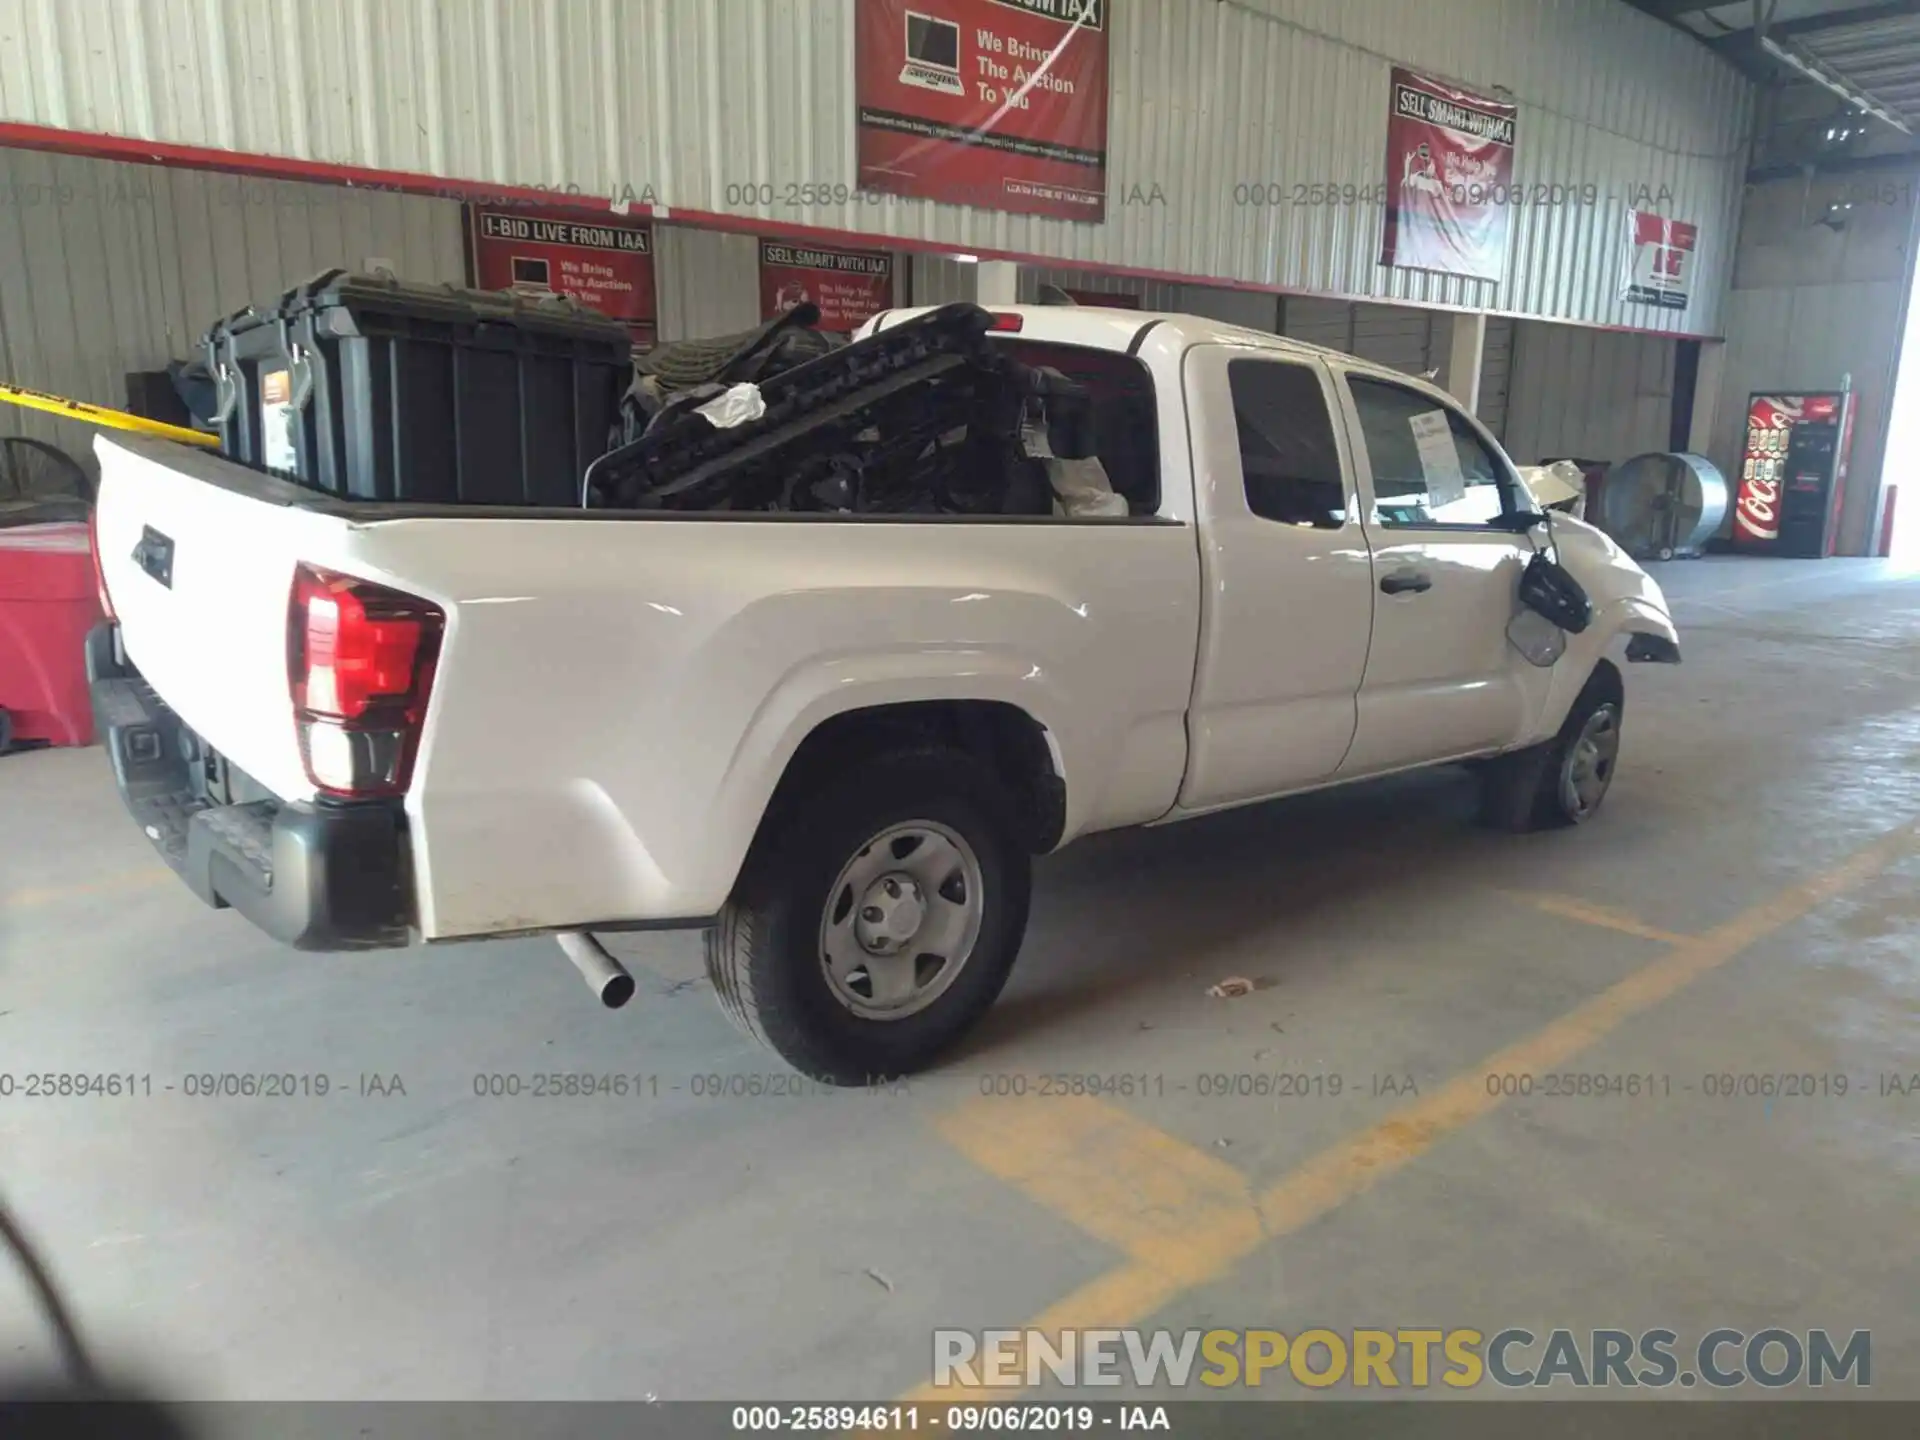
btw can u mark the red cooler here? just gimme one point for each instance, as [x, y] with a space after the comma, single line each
[47, 605]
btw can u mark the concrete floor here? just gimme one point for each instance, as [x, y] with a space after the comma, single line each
[438, 1244]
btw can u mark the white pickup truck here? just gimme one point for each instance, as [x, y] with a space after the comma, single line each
[835, 743]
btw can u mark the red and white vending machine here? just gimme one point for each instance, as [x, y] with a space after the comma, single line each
[1793, 472]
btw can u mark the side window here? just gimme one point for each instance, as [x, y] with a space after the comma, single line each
[1288, 459]
[1429, 468]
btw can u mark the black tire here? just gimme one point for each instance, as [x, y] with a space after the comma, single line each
[765, 956]
[6, 732]
[1528, 789]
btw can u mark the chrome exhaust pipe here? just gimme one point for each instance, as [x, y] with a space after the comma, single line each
[605, 976]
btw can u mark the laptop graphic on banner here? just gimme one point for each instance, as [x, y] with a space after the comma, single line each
[933, 54]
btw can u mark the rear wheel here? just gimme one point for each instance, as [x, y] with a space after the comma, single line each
[1561, 781]
[877, 918]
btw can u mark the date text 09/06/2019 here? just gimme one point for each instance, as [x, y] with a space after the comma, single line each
[998, 1418]
[199, 1085]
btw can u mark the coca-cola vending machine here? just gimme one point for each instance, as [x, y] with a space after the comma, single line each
[1792, 473]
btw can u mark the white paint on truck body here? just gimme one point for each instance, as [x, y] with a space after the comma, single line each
[618, 695]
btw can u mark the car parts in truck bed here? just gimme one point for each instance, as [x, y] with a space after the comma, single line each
[922, 417]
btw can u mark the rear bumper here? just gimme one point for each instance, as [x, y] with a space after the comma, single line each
[316, 877]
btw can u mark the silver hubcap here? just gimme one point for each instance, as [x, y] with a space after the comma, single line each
[1588, 768]
[901, 920]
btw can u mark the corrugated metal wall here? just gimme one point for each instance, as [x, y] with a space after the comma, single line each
[121, 267]
[111, 267]
[1152, 294]
[1398, 337]
[707, 283]
[1407, 338]
[1811, 305]
[1595, 394]
[691, 100]
[1403, 337]
[106, 268]
[1319, 322]
[938, 280]
[1252, 309]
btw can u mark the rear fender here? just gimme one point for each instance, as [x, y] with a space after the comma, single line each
[821, 690]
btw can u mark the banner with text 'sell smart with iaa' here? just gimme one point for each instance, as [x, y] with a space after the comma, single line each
[603, 262]
[849, 286]
[1449, 179]
[1000, 104]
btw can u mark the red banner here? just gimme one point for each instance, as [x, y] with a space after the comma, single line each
[1659, 261]
[1000, 104]
[605, 262]
[1449, 179]
[849, 286]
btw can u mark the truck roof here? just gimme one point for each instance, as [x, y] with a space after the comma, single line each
[1101, 328]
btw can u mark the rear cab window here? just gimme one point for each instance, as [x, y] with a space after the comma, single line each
[1289, 461]
[1126, 432]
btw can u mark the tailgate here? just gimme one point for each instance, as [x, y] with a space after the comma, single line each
[198, 556]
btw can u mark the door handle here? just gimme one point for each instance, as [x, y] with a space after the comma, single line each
[1404, 581]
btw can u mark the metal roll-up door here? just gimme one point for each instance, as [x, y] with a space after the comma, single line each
[1320, 322]
[1496, 372]
[1394, 336]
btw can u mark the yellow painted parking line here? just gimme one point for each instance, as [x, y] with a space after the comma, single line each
[1121, 1180]
[59, 894]
[1182, 1215]
[1132, 1185]
[1570, 908]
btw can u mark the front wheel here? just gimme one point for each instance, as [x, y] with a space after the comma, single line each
[1563, 780]
[877, 919]
[1585, 762]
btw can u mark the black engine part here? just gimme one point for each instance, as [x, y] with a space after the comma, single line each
[923, 417]
[669, 373]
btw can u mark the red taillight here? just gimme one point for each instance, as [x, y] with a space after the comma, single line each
[360, 664]
[99, 574]
[1004, 321]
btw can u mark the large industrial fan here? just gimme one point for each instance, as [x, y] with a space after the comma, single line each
[1663, 506]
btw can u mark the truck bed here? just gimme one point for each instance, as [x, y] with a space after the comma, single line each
[617, 695]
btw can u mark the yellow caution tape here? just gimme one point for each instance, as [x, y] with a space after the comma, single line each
[100, 415]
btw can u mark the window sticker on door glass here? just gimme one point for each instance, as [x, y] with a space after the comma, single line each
[1439, 460]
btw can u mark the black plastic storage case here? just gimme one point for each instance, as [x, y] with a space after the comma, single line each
[373, 389]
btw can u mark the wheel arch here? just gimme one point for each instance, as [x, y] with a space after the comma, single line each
[1606, 678]
[1018, 748]
[1587, 659]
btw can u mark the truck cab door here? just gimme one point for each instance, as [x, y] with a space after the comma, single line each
[1441, 680]
[1287, 582]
